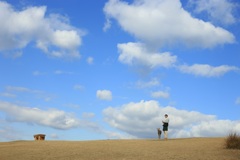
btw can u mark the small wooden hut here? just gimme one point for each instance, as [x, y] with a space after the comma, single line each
[39, 137]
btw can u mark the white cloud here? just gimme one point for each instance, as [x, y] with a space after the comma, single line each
[142, 118]
[52, 34]
[137, 54]
[165, 22]
[160, 94]
[66, 39]
[107, 25]
[206, 70]
[52, 118]
[218, 10]
[104, 95]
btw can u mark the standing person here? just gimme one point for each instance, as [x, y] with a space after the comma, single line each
[165, 122]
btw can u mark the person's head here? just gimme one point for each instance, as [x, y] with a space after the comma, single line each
[166, 115]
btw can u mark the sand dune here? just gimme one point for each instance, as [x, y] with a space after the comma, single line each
[147, 149]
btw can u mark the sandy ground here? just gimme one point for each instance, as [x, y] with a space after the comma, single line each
[172, 149]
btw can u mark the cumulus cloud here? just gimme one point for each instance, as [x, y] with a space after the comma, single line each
[206, 70]
[104, 95]
[52, 118]
[221, 11]
[138, 54]
[165, 22]
[141, 119]
[51, 33]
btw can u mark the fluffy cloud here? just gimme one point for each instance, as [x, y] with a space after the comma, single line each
[165, 22]
[137, 53]
[52, 118]
[207, 70]
[142, 118]
[52, 34]
[104, 95]
[218, 10]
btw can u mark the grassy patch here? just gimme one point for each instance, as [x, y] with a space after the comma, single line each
[233, 141]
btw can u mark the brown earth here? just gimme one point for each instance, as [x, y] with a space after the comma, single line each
[147, 149]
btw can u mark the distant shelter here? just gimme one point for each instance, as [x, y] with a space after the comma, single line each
[39, 137]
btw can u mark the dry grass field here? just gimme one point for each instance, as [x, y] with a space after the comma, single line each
[147, 149]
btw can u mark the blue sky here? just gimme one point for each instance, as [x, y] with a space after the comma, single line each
[110, 69]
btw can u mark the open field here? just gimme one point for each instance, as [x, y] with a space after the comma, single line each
[147, 149]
